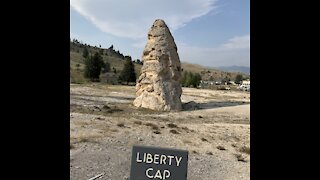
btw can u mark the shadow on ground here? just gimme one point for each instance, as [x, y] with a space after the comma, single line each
[192, 106]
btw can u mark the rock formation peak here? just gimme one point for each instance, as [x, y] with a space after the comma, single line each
[158, 86]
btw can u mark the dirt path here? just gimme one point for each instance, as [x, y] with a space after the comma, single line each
[104, 126]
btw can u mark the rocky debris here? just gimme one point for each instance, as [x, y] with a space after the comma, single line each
[158, 86]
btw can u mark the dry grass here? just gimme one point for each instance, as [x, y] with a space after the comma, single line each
[85, 136]
[157, 132]
[186, 141]
[173, 131]
[221, 148]
[83, 139]
[81, 123]
[204, 139]
[194, 152]
[233, 145]
[185, 128]
[121, 124]
[172, 125]
[100, 118]
[153, 126]
[87, 139]
[240, 157]
[137, 122]
[244, 149]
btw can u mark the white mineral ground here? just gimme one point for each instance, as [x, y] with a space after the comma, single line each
[104, 125]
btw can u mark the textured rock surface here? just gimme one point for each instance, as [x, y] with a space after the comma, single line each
[158, 86]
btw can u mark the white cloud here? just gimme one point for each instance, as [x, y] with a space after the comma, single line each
[236, 51]
[132, 19]
[238, 42]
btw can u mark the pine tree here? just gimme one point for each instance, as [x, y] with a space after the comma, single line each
[93, 67]
[85, 53]
[189, 79]
[106, 67]
[184, 78]
[239, 78]
[128, 73]
[196, 80]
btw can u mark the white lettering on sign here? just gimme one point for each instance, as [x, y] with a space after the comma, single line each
[163, 159]
[149, 158]
[158, 159]
[178, 160]
[158, 174]
[147, 172]
[155, 158]
[166, 173]
[138, 160]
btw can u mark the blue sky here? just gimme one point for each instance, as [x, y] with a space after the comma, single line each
[207, 32]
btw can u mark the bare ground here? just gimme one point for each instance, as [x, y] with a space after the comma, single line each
[104, 126]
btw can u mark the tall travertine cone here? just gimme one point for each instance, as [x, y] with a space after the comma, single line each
[158, 86]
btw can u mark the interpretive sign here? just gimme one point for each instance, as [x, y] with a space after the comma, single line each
[158, 163]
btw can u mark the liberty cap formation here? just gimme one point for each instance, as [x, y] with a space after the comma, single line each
[158, 86]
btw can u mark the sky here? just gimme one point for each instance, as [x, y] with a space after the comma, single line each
[211, 33]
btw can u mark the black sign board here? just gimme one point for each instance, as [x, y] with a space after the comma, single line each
[158, 163]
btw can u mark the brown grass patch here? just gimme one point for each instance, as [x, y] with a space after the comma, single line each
[240, 157]
[195, 152]
[120, 124]
[172, 125]
[221, 148]
[114, 130]
[137, 122]
[153, 126]
[244, 149]
[186, 141]
[204, 139]
[185, 128]
[234, 145]
[173, 131]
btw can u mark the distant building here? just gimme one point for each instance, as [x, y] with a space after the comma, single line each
[245, 82]
[245, 85]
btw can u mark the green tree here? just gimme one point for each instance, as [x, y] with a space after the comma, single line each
[93, 67]
[78, 67]
[184, 78]
[196, 78]
[106, 67]
[225, 80]
[85, 53]
[189, 79]
[128, 73]
[239, 78]
[101, 52]
[114, 70]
